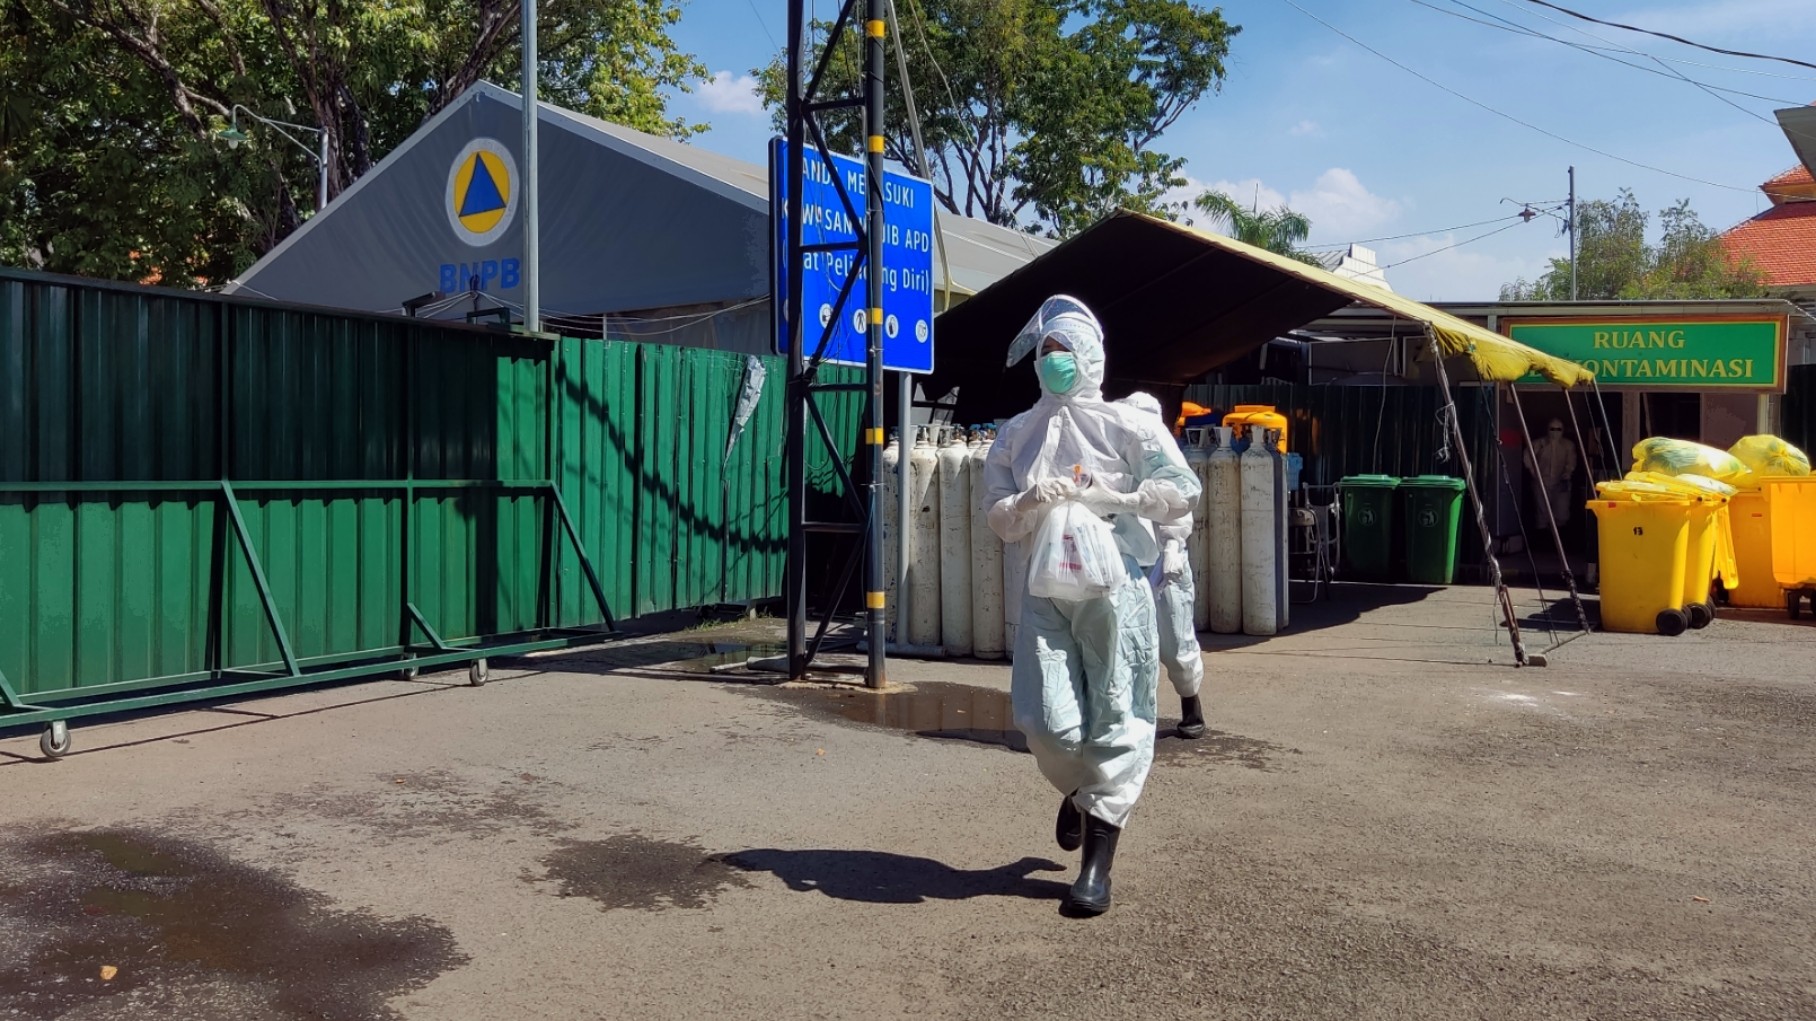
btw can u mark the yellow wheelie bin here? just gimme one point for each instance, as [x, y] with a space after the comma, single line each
[1751, 515]
[1793, 503]
[1709, 553]
[1645, 541]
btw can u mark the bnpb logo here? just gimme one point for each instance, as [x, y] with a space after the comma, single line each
[482, 192]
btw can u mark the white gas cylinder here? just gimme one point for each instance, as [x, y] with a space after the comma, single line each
[1223, 536]
[1260, 543]
[1197, 545]
[986, 565]
[924, 543]
[955, 545]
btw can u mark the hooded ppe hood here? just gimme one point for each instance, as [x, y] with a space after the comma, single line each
[1069, 322]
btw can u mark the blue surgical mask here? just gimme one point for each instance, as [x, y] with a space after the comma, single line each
[1058, 372]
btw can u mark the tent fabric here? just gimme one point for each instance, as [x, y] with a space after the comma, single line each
[1495, 358]
[1176, 303]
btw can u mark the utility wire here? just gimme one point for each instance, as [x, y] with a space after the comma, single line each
[1673, 38]
[1519, 5]
[1502, 24]
[1510, 117]
[1663, 69]
[764, 24]
[1413, 234]
[1446, 248]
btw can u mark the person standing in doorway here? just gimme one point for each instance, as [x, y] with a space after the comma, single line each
[1552, 461]
[1084, 673]
[1175, 590]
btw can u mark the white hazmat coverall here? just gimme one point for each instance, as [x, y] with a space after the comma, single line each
[1084, 673]
[1552, 461]
[1174, 588]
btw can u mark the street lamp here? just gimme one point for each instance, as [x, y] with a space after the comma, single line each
[233, 136]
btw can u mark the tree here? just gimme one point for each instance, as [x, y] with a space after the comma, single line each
[1280, 231]
[1041, 114]
[108, 114]
[1615, 262]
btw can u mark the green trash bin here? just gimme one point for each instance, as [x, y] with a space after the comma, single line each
[1432, 505]
[1368, 526]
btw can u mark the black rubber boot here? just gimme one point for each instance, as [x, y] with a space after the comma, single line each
[1069, 828]
[1191, 718]
[1091, 893]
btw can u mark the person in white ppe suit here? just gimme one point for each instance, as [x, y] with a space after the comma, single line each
[1552, 461]
[1175, 591]
[1084, 673]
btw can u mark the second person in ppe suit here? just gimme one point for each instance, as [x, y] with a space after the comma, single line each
[1174, 589]
[1084, 672]
[1552, 461]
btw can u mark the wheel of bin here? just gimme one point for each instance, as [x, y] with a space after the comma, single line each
[1699, 615]
[1793, 603]
[1672, 623]
[55, 741]
[478, 672]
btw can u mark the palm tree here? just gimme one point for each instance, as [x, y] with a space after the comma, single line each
[1280, 231]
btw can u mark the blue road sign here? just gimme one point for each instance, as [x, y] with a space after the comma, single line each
[907, 262]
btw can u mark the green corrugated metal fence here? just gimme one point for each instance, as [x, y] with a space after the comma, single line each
[197, 490]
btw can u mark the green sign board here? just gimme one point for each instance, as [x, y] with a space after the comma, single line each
[1689, 353]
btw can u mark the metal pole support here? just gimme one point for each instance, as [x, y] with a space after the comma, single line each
[875, 28]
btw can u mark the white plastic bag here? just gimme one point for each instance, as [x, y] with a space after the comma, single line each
[1074, 556]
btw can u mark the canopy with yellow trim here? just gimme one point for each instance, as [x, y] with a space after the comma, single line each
[1178, 302]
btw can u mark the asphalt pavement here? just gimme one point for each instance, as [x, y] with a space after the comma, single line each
[1389, 820]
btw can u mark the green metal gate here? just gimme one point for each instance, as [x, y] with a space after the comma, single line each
[203, 496]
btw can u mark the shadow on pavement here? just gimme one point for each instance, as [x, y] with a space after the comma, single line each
[878, 877]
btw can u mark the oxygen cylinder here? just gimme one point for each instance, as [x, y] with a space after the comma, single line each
[986, 564]
[1197, 546]
[1015, 575]
[892, 524]
[1260, 545]
[955, 545]
[1282, 581]
[1223, 536]
[924, 543]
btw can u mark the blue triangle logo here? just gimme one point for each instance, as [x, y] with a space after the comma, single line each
[482, 192]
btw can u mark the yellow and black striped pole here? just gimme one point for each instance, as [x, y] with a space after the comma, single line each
[875, 674]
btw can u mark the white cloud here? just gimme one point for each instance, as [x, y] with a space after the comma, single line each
[1341, 208]
[731, 93]
[1307, 127]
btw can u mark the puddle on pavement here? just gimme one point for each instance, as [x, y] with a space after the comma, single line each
[634, 871]
[951, 712]
[963, 712]
[190, 933]
[1218, 746]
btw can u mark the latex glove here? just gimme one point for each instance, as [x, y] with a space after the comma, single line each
[1044, 492]
[1172, 561]
[1102, 497]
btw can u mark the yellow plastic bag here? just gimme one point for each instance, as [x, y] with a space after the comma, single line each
[1769, 455]
[1689, 485]
[1682, 457]
[1640, 490]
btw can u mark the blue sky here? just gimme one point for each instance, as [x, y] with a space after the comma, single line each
[1370, 151]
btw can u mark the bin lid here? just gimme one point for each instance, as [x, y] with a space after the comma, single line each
[1435, 482]
[1370, 482]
